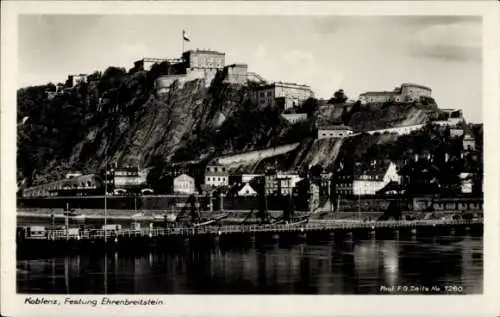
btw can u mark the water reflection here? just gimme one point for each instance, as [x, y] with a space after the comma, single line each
[328, 267]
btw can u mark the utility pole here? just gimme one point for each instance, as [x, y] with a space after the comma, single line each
[359, 206]
[105, 198]
[67, 221]
[221, 201]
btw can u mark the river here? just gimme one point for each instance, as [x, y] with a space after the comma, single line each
[444, 265]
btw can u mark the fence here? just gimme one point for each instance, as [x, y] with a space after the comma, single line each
[326, 225]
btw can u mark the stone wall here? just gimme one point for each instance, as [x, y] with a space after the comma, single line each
[164, 83]
[236, 74]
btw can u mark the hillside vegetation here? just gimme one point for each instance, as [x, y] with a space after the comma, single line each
[117, 118]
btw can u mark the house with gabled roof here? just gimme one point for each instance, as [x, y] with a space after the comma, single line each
[369, 180]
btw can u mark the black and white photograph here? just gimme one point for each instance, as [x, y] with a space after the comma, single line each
[247, 154]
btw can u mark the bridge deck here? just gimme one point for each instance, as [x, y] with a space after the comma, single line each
[328, 225]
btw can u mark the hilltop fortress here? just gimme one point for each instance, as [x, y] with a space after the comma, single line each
[198, 64]
[405, 93]
[205, 64]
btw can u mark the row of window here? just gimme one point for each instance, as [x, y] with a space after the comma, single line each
[216, 169]
[334, 134]
[263, 94]
[370, 177]
[219, 179]
[126, 173]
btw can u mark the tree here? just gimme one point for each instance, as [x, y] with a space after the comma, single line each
[338, 97]
[112, 78]
[346, 117]
[310, 106]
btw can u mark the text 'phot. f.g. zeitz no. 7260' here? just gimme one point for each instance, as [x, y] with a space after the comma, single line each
[265, 164]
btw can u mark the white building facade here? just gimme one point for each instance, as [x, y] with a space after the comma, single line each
[281, 95]
[216, 176]
[334, 131]
[405, 93]
[184, 184]
[369, 183]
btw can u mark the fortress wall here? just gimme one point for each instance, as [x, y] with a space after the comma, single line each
[256, 155]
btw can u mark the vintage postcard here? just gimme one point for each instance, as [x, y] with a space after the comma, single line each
[285, 158]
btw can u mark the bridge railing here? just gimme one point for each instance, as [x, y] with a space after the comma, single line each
[59, 234]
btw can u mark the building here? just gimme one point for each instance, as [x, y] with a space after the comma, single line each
[278, 183]
[466, 182]
[294, 117]
[374, 178]
[194, 64]
[402, 130]
[74, 80]
[450, 122]
[236, 74]
[90, 184]
[207, 61]
[280, 95]
[128, 178]
[456, 132]
[379, 97]
[343, 183]
[333, 131]
[184, 184]
[405, 93]
[73, 174]
[147, 63]
[245, 178]
[246, 190]
[469, 142]
[216, 176]
[452, 113]
[306, 193]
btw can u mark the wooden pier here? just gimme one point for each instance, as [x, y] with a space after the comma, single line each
[224, 230]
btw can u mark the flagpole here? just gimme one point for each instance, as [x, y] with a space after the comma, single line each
[182, 38]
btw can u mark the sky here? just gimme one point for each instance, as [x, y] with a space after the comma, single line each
[355, 53]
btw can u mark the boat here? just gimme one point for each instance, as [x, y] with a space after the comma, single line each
[79, 217]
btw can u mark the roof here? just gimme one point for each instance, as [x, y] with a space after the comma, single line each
[128, 169]
[377, 170]
[334, 127]
[392, 185]
[379, 93]
[243, 185]
[204, 51]
[61, 183]
[415, 85]
[282, 84]
[183, 176]
[237, 65]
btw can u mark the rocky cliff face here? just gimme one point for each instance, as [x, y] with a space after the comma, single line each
[118, 119]
[194, 123]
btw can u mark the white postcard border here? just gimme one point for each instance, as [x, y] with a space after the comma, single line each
[12, 304]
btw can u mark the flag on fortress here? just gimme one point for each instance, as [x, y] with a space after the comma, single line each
[184, 35]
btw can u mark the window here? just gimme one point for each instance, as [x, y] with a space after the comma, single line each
[262, 101]
[262, 94]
